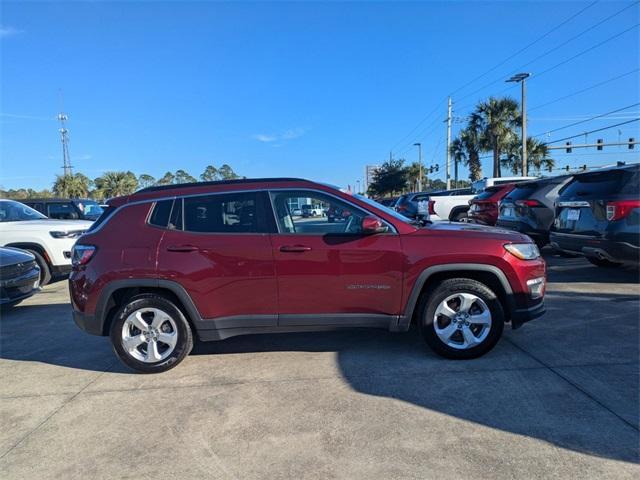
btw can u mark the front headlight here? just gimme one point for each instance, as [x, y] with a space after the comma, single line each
[69, 234]
[524, 251]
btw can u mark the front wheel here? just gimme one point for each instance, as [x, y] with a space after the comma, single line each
[461, 318]
[150, 334]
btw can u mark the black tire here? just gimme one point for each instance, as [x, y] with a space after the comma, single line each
[184, 342]
[430, 300]
[602, 263]
[45, 269]
[459, 216]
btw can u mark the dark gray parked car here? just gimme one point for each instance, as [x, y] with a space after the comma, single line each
[19, 275]
[530, 207]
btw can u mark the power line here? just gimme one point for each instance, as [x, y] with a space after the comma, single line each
[525, 47]
[587, 120]
[417, 126]
[593, 131]
[583, 90]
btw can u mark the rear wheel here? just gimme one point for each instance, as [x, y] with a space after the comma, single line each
[150, 334]
[45, 270]
[459, 216]
[461, 318]
[601, 262]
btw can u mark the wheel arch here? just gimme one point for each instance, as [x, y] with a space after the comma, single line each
[118, 291]
[31, 246]
[489, 275]
[457, 210]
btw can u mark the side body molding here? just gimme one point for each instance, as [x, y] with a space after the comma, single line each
[404, 321]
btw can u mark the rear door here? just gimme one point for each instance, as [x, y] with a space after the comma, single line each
[330, 273]
[581, 208]
[217, 247]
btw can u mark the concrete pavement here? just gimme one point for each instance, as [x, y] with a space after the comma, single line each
[556, 398]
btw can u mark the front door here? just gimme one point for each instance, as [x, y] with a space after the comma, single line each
[328, 271]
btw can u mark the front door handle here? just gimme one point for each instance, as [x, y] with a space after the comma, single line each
[294, 248]
[182, 248]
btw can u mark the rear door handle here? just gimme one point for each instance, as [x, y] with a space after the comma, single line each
[294, 248]
[182, 248]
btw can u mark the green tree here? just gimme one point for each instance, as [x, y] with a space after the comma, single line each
[390, 178]
[496, 119]
[227, 173]
[167, 179]
[413, 176]
[72, 186]
[115, 184]
[184, 177]
[145, 181]
[210, 174]
[465, 149]
[538, 156]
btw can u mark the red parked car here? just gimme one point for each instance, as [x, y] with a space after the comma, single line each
[216, 259]
[484, 206]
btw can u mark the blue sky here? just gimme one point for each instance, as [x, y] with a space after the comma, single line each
[316, 90]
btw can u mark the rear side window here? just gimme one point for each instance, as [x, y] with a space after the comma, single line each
[225, 213]
[488, 193]
[160, 214]
[602, 184]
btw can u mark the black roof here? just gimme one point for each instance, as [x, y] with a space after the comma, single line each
[218, 182]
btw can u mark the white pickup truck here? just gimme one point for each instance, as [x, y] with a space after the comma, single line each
[49, 240]
[449, 205]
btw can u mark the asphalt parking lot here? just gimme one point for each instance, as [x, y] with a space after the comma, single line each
[557, 398]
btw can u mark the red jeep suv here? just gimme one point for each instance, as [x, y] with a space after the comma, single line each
[216, 259]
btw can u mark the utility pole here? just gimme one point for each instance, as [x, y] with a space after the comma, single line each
[64, 138]
[522, 77]
[419, 145]
[448, 166]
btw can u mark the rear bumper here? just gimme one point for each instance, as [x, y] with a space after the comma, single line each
[594, 247]
[524, 315]
[524, 227]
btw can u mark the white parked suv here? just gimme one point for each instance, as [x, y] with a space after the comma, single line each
[49, 240]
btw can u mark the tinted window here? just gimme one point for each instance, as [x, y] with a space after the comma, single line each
[63, 211]
[224, 213]
[602, 184]
[521, 192]
[488, 193]
[89, 208]
[11, 211]
[160, 214]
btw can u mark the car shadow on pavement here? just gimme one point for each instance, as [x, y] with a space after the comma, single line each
[576, 270]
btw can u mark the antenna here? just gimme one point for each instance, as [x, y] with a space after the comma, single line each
[64, 138]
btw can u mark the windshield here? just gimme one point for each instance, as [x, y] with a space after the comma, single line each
[89, 208]
[11, 211]
[386, 210]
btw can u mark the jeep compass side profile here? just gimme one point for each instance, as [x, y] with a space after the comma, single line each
[213, 260]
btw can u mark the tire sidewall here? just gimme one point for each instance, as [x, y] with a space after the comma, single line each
[185, 336]
[45, 271]
[430, 302]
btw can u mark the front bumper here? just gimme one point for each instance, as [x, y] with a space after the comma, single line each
[524, 315]
[18, 288]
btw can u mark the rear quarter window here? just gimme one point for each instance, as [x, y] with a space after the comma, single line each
[160, 214]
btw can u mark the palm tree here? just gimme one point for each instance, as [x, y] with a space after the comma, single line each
[497, 119]
[71, 186]
[537, 155]
[466, 149]
[413, 176]
[115, 184]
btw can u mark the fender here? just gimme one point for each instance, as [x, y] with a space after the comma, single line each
[174, 287]
[404, 321]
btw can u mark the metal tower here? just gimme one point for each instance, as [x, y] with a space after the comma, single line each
[64, 138]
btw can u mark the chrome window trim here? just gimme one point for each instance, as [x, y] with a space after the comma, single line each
[267, 190]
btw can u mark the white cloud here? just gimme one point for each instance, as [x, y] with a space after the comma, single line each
[289, 134]
[9, 31]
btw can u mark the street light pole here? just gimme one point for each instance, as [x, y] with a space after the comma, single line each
[358, 183]
[522, 79]
[419, 145]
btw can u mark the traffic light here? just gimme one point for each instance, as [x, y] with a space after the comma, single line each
[631, 143]
[599, 142]
[437, 167]
[568, 145]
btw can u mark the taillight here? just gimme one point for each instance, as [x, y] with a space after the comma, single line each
[400, 208]
[430, 207]
[621, 209]
[81, 254]
[528, 203]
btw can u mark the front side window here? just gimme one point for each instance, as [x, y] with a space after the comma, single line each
[11, 211]
[329, 214]
[224, 213]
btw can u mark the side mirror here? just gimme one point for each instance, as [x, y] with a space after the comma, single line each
[372, 224]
